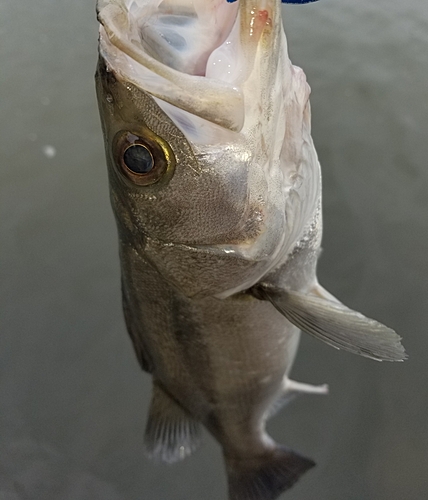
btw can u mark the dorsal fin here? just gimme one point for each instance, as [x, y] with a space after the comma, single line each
[171, 432]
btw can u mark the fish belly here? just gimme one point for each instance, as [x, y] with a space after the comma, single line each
[246, 350]
[222, 360]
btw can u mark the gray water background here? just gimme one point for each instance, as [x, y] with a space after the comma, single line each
[72, 397]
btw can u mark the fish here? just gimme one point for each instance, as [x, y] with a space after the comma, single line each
[215, 185]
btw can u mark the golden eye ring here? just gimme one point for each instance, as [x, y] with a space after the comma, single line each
[143, 157]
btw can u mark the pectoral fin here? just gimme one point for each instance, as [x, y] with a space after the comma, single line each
[336, 325]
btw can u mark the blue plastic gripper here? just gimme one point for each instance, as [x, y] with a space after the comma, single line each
[286, 1]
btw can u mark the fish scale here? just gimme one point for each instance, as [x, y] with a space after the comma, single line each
[216, 188]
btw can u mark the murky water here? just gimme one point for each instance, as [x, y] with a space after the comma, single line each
[72, 398]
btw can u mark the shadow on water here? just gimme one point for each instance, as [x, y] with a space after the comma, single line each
[73, 401]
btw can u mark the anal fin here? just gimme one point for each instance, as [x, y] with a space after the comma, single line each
[265, 477]
[171, 432]
[335, 324]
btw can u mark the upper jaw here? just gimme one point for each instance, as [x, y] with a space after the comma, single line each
[218, 96]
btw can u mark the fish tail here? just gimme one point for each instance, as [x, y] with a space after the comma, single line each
[266, 476]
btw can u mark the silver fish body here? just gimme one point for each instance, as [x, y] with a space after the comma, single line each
[216, 189]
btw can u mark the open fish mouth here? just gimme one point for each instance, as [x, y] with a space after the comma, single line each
[194, 54]
[185, 35]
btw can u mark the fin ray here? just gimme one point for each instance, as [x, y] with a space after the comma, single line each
[267, 476]
[292, 389]
[337, 325]
[171, 432]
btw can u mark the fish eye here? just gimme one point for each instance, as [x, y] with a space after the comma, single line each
[138, 159]
[144, 157]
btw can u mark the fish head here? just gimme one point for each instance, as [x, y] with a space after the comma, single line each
[213, 175]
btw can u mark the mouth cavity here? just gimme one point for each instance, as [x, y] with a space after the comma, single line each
[195, 54]
[184, 34]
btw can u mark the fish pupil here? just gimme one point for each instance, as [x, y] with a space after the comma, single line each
[138, 159]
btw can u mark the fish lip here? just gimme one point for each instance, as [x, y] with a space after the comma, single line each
[215, 100]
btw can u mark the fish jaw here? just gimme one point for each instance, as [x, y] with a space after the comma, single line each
[130, 33]
[121, 46]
